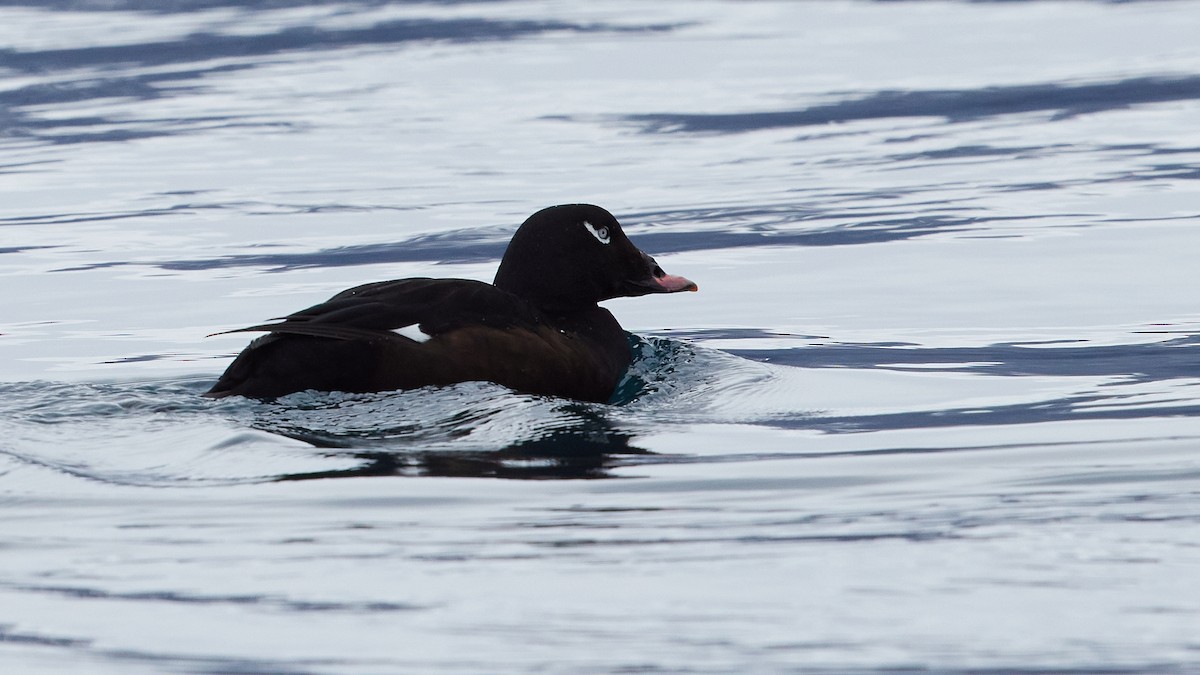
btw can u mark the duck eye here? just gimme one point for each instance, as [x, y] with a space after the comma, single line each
[600, 233]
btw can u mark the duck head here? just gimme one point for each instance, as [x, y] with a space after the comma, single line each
[570, 257]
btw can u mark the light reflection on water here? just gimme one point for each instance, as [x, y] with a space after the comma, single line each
[933, 409]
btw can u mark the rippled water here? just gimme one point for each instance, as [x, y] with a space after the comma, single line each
[935, 409]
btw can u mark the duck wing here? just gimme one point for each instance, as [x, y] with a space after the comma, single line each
[374, 311]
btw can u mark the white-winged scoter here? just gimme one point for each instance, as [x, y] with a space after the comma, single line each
[537, 329]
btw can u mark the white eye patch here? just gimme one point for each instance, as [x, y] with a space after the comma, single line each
[600, 233]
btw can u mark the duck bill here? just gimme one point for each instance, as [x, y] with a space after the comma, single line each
[658, 281]
[670, 283]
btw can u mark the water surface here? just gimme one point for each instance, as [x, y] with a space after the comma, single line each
[935, 408]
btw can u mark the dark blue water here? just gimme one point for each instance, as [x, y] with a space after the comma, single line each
[935, 408]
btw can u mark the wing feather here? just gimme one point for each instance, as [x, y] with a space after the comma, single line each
[372, 311]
